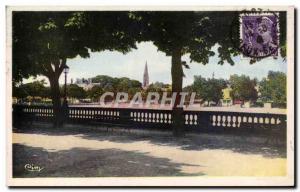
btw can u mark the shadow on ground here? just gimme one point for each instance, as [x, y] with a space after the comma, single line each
[246, 144]
[82, 162]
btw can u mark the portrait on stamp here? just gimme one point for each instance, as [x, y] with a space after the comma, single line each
[259, 35]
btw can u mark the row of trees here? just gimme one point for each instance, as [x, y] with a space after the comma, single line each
[33, 89]
[103, 83]
[270, 89]
[44, 41]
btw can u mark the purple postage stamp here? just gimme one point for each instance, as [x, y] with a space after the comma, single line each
[259, 35]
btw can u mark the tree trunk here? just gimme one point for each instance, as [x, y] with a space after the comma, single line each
[177, 75]
[56, 101]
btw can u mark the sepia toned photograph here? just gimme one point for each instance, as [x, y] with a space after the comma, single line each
[140, 96]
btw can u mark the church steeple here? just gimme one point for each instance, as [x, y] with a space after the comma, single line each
[146, 77]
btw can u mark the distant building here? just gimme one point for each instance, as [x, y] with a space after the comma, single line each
[226, 100]
[146, 77]
[257, 87]
[86, 84]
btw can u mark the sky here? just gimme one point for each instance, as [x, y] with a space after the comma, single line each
[132, 65]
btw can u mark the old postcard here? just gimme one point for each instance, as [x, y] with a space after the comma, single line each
[150, 96]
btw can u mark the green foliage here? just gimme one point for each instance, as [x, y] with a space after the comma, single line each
[114, 84]
[154, 88]
[161, 85]
[110, 30]
[107, 83]
[43, 40]
[124, 84]
[282, 37]
[19, 92]
[74, 91]
[189, 88]
[196, 32]
[243, 88]
[273, 88]
[199, 86]
[208, 89]
[33, 89]
[95, 93]
[193, 33]
[132, 91]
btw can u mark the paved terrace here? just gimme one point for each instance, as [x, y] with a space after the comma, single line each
[78, 151]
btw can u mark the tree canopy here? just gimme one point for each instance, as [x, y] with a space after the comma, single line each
[273, 88]
[208, 89]
[33, 89]
[74, 91]
[243, 88]
[43, 41]
[95, 93]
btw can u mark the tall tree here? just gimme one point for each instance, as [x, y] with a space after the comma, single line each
[209, 89]
[43, 41]
[243, 88]
[199, 86]
[74, 91]
[95, 93]
[273, 88]
[214, 90]
[193, 33]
